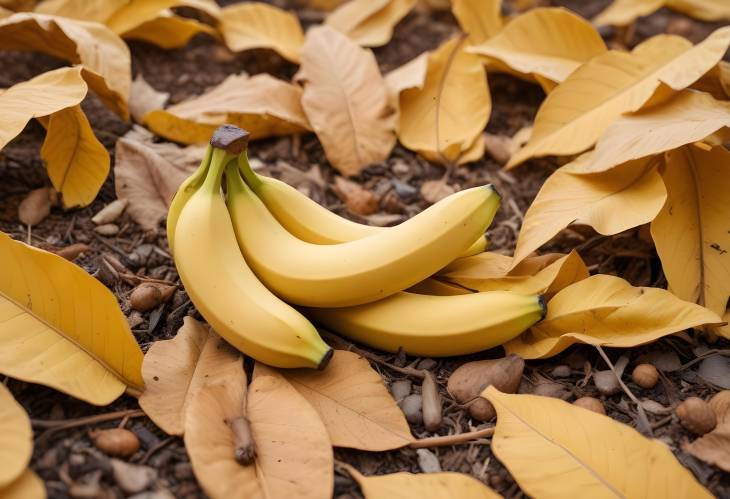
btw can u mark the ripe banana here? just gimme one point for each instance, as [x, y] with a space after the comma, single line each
[311, 222]
[436, 326]
[360, 271]
[225, 290]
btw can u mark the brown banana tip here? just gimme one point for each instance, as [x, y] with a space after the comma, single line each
[232, 139]
[325, 359]
[493, 189]
[543, 305]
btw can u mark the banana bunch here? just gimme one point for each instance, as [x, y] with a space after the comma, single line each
[247, 257]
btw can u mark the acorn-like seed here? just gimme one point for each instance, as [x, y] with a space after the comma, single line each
[696, 415]
[149, 295]
[115, 442]
[592, 404]
[645, 375]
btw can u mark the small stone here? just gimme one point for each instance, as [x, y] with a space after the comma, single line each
[412, 407]
[427, 461]
[391, 203]
[132, 478]
[400, 389]
[405, 191]
[400, 168]
[606, 382]
[107, 230]
[561, 371]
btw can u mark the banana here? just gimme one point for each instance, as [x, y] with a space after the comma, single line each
[311, 222]
[360, 271]
[225, 290]
[436, 326]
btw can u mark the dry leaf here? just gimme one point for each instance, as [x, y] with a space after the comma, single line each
[369, 23]
[174, 370]
[358, 200]
[62, 328]
[36, 206]
[262, 105]
[713, 448]
[346, 100]
[103, 56]
[88, 10]
[716, 81]
[169, 31]
[27, 486]
[563, 440]
[624, 12]
[353, 403]
[16, 438]
[410, 75]
[626, 196]
[434, 191]
[254, 25]
[546, 42]
[690, 232]
[442, 119]
[615, 83]
[608, 311]
[143, 99]
[479, 19]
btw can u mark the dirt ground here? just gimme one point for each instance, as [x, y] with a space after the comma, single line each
[65, 457]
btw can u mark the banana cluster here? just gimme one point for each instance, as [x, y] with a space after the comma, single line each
[249, 256]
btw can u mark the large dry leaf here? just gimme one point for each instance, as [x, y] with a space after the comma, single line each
[353, 403]
[102, 54]
[369, 23]
[262, 105]
[623, 12]
[143, 98]
[88, 10]
[713, 447]
[479, 19]
[62, 328]
[346, 100]
[293, 453]
[40, 96]
[410, 75]
[254, 25]
[608, 311]
[578, 111]
[77, 162]
[549, 43]
[554, 449]
[27, 486]
[174, 370]
[16, 438]
[626, 196]
[691, 231]
[441, 119]
[169, 31]
[688, 117]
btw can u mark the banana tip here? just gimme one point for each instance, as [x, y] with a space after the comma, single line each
[543, 305]
[494, 189]
[325, 359]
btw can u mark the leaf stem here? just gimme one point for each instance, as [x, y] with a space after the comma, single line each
[446, 440]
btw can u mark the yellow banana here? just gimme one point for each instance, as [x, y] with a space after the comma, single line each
[360, 271]
[436, 326]
[225, 290]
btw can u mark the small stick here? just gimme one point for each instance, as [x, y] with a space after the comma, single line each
[56, 426]
[155, 448]
[443, 441]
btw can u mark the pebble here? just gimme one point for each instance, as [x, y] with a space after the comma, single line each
[427, 461]
[606, 382]
[107, 229]
[561, 371]
[426, 364]
[400, 389]
[401, 168]
[132, 478]
[405, 191]
[412, 407]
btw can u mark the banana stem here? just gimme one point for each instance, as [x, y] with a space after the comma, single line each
[227, 142]
[252, 179]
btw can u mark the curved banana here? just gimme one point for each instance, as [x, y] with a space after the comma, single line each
[436, 326]
[360, 271]
[228, 294]
[311, 222]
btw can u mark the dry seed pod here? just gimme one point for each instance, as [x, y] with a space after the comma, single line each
[606, 382]
[592, 404]
[696, 415]
[400, 389]
[431, 402]
[72, 251]
[107, 229]
[36, 206]
[115, 442]
[149, 295]
[720, 403]
[110, 212]
[411, 407]
[245, 451]
[645, 375]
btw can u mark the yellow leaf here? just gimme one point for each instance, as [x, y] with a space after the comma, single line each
[260, 104]
[690, 232]
[62, 328]
[353, 403]
[27, 486]
[423, 486]
[705, 10]
[169, 31]
[626, 196]
[624, 12]
[442, 119]
[410, 75]
[103, 55]
[16, 438]
[369, 23]
[346, 100]
[45, 94]
[554, 449]
[716, 81]
[258, 25]
[89, 10]
[608, 311]
[578, 111]
[77, 162]
[547, 42]
[479, 19]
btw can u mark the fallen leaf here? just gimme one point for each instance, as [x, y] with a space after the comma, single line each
[716, 81]
[62, 328]
[624, 12]
[36, 206]
[442, 119]
[690, 231]
[626, 196]
[562, 439]
[27, 486]
[434, 191]
[606, 310]
[410, 75]
[143, 99]
[715, 369]
[358, 200]
[346, 100]
[89, 10]
[369, 23]
[712, 448]
[254, 25]
[479, 19]
[104, 57]
[353, 403]
[614, 83]
[262, 105]
[169, 31]
[16, 438]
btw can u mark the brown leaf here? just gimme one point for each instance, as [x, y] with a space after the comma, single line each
[358, 200]
[434, 191]
[713, 448]
[369, 23]
[143, 99]
[36, 206]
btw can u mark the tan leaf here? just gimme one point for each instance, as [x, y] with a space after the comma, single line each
[89, 10]
[369, 23]
[261, 104]
[16, 438]
[442, 119]
[479, 19]
[254, 25]
[346, 100]
[713, 448]
[358, 199]
[615, 83]
[410, 75]
[608, 311]
[623, 12]
[27, 486]
[143, 99]
[716, 81]
[169, 31]
[354, 404]
[434, 191]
